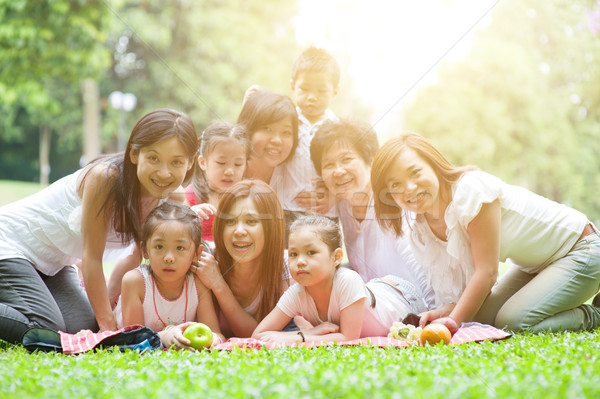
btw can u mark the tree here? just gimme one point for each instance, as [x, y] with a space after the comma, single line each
[198, 57]
[524, 102]
[46, 48]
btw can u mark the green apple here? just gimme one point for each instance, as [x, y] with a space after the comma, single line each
[199, 335]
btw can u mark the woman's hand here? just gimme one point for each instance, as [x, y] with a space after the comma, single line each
[449, 322]
[204, 210]
[428, 317]
[207, 270]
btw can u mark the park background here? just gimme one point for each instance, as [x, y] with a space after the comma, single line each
[511, 86]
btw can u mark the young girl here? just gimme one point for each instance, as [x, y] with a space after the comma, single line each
[272, 123]
[335, 300]
[467, 221]
[95, 214]
[250, 276]
[342, 153]
[224, 150]
[165, 295]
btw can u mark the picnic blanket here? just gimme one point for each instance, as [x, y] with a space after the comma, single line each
[468, 332]
[130, 337]
[143, 338]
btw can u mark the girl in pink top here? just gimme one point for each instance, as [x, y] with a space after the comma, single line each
[224, 151]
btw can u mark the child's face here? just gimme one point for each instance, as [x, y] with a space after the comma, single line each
[413, 184]
[310, 260]
[313, 91]
[243, 235]
[272, 143]
[171, 251]
[161, 167]
[224, 165]
[344, 171]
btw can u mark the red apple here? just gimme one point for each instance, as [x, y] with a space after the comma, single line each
[199, 334]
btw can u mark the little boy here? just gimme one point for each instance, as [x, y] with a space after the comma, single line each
[315, 82]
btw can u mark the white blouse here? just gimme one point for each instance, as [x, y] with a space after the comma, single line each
[45, 228]
[534, 232]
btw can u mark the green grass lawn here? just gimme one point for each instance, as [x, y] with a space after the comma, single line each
[564, 365]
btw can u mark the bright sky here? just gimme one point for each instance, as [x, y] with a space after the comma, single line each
[390, 45]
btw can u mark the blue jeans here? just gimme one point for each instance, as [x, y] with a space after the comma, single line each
[552, 299]
[30, 299]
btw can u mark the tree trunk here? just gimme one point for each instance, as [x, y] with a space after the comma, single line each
[45, 134]
[91, 120]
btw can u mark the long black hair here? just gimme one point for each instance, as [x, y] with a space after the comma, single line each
[123, 200]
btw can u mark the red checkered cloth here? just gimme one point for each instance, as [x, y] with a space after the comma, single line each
[73, 344]
[469, 332]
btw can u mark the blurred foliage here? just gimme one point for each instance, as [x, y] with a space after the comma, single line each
[46, 49]
[197, 56]
[525, 102]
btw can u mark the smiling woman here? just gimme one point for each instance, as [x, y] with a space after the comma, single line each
[103, 208]
[249, 242]
[342, 152]
[272, 123]
[467, 221]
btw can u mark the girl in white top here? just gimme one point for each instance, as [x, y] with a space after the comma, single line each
[467, 221]
[92, 215]
[334, 299]
[342, 153]
[249, 248]
[165, 295]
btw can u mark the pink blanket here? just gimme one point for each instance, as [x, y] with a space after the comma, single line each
[469, 332]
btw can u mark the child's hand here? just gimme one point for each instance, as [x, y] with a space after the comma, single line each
[172, 337]
[252, 89]
[208, 271]
[323, 328]
[302, 323]
[204, 210]
[320, 200]
[276, 336]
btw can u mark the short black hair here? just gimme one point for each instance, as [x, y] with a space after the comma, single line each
[360, 136]
[316, 59]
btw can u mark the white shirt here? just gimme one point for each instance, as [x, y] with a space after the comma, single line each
[296, 174]
[375, 252]
[534, 232]
[45, 228]
[348, 287]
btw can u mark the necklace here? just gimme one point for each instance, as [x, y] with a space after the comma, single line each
[154, 288]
